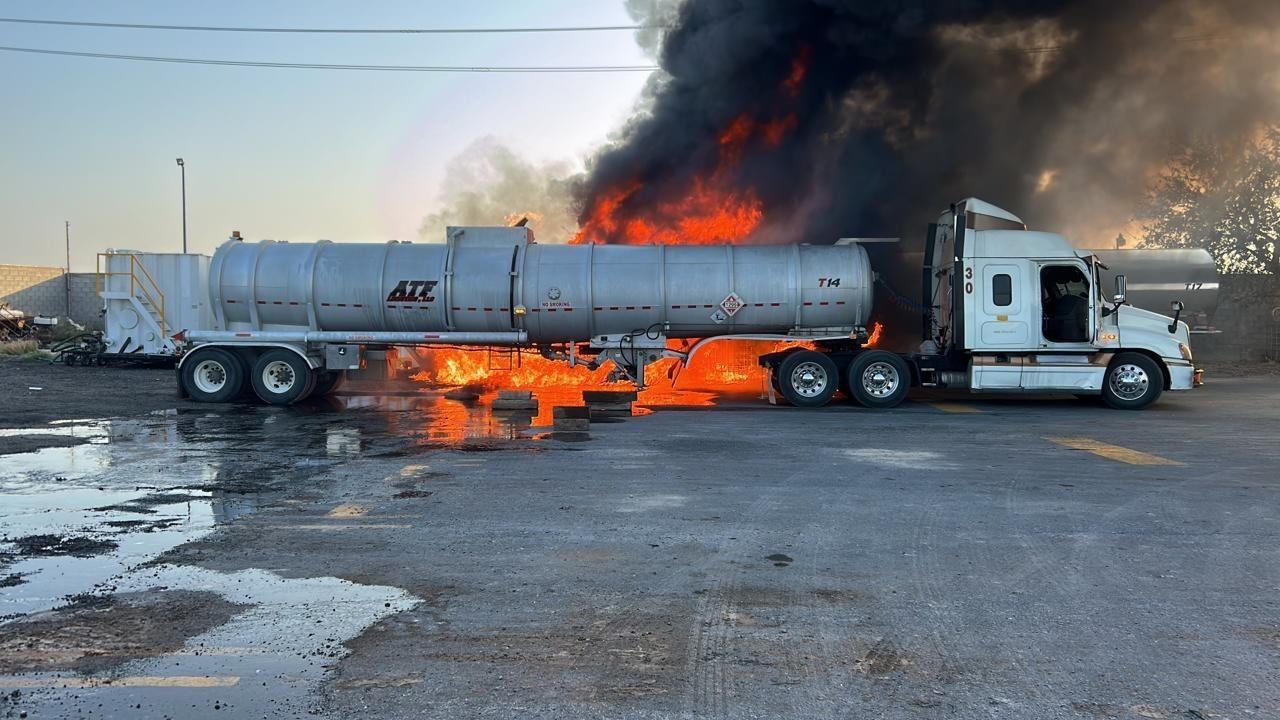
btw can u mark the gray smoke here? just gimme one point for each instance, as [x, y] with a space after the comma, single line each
[490, 184]
[1062, 112]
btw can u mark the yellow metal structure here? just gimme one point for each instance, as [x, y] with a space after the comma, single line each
[141, 285]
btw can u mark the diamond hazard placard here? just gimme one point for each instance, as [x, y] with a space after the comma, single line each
[732, 304]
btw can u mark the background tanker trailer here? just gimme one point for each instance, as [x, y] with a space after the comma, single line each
[1159, 276]
[289, 318]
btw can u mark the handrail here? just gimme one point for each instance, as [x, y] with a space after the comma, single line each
[134, 261]
[136, 285]
[136, 264]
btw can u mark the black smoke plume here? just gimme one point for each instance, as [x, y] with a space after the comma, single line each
[1060, 111]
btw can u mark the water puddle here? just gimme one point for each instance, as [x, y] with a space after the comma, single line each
[272, 652]
[89, 500]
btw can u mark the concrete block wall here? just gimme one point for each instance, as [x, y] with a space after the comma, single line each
[42, 290]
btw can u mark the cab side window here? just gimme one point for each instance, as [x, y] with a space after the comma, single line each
[1002, 290]
[1064, 301]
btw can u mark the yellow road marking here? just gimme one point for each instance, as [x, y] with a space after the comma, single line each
[360, 526]
[1112, 452]
[348, 510]
[953, 407]
[410, 470]
[187, 681]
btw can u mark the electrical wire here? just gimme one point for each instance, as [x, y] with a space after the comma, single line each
[336, 31]
[326, 66]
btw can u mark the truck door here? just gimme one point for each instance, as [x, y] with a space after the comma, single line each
[1002, 314]
[1065, 305]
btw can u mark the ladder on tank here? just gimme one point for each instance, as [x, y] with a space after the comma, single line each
[137, 287]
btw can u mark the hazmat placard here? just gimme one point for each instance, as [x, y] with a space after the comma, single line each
[731, 304]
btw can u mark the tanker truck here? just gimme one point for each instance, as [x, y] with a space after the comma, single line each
[1004, 310]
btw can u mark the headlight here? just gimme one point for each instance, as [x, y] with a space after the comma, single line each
[1185, 350]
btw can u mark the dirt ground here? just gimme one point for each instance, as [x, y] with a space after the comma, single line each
[33, 392]
[95, 634]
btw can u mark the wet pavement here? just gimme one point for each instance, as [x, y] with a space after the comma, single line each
[417, 556]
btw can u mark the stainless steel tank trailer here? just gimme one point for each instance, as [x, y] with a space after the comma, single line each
[1007, 310]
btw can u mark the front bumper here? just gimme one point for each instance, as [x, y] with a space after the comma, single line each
[1184, 376]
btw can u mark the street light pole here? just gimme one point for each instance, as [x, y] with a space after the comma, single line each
[183, 167]
[67, 275]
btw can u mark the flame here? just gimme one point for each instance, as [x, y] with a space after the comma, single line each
[712, 207]
[774, 131]
[877, 329]
[799, 69]
[718, 369]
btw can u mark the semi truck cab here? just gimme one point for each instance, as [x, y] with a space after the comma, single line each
[1013, 310]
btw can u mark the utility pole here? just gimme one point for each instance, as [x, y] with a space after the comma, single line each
[67, 275]
[183, 167]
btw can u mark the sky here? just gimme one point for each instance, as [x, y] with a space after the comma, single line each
[284, 154]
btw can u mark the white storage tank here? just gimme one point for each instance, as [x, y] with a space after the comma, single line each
[148, 297]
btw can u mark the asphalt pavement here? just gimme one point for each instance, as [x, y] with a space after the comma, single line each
[418, 557]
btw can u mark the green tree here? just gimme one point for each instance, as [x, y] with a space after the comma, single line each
[1226, 201]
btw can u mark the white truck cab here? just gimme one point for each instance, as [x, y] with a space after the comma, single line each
[1013, 310]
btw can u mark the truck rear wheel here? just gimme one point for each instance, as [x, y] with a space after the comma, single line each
[879, 379]
[807, 378]
[282, 377]
[1133, 382]
[213, 375]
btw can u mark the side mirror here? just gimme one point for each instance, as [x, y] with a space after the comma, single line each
[1176, 306]
[1120, 294]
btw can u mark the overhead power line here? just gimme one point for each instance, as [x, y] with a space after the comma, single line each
[327, 66]
[337, 31]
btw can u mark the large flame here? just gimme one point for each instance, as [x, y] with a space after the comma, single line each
[715, 207]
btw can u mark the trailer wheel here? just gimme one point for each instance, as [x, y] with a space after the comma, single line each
[1133, 382]
[879, 379]
[807, 378]
[281, 377]
[212, 375]
[327, 382]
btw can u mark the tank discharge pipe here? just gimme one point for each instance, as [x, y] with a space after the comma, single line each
[388, 338]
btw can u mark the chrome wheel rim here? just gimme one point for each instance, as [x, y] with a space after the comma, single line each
[278, 377]
[210, 376]
[880, 379]
[809, 379]
[1129, 382]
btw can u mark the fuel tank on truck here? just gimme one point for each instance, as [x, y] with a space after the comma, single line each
[494, 279]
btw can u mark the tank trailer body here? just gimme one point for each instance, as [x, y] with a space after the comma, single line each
[1007, 310]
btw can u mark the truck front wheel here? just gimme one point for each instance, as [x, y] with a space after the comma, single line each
[1133, 382]
[879, 379]
[807, 378]
[213, 375]
[282, 377]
